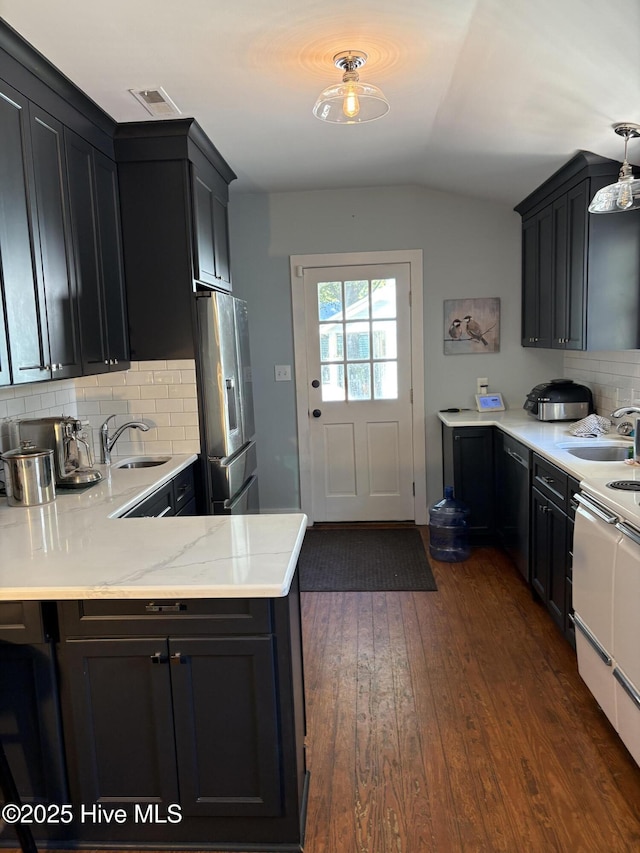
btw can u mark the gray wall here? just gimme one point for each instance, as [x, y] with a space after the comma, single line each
[471, 249]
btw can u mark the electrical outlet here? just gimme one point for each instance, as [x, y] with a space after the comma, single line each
[482, 384]
[283, 372]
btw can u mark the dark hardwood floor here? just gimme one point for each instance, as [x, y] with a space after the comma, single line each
[454, 721]
[457, 721]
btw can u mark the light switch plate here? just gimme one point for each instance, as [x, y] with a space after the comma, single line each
[283, 372]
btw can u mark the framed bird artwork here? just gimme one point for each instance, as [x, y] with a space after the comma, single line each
[471, 326]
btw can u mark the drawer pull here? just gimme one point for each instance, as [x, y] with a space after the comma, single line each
[548, 480]
[165, 608]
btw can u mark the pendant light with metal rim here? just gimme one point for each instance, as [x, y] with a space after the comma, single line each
[625, 193]
[352, 101]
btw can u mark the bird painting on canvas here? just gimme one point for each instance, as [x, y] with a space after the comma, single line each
[479, 329]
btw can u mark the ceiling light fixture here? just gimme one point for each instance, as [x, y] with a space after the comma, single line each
[352, 101]
[625, 193]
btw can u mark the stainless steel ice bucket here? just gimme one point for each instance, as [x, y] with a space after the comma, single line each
[29, 476]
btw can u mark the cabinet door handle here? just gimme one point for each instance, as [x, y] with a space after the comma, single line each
[158, 657]
[177, 657]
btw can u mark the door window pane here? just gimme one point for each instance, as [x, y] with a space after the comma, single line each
[385, 380]
[383, 298]
[359, 381]
[358, 345]
[331, 342]
[356, 294]
[385, 340]
[329, 300]
[333, 386]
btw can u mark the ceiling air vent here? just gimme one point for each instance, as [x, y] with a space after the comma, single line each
[156, 101]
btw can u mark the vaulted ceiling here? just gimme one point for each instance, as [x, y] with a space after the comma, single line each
[488, 97]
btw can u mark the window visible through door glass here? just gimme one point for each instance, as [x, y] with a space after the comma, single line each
[358, 339]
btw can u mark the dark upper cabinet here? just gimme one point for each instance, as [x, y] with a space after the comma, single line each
[60, 236]
[23, 296]
[50, 204]
[211, 229]
[174, 194]
[580, 271]
[537, 241]
[95, 227]
[35, 250]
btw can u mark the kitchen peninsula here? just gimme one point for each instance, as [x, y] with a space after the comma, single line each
[154, 665]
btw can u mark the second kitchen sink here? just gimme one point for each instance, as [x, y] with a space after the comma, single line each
[142, 462]
[598, 452]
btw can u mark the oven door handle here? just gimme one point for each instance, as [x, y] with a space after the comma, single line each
[596, 509]
[601, 651]
[629, 531]
[627, 686]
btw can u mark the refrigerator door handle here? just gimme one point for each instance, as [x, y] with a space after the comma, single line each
[232, 403]
[231, 503]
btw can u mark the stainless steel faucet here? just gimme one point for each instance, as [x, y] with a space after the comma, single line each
[631, 410]
[107, 441]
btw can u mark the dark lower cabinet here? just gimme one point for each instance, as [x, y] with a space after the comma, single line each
[467, 454]
[552, 521]
[549, 554]
[200, 739]
[198, 727]
[513, 487]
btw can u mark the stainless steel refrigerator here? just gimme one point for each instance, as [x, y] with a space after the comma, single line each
[227, 425]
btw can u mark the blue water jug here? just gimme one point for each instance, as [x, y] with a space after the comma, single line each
[448, 532]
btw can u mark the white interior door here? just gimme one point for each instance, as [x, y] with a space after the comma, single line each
[358, 339]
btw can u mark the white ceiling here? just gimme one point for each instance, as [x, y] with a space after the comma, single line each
[488, 97]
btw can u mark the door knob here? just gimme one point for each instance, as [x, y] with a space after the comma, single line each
[316, 413]
[315, 383]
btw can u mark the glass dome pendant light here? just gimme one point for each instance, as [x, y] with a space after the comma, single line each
[351, 101]
[625, 193]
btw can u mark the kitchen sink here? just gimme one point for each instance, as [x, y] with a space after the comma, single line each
[598, 452]
[142, 462]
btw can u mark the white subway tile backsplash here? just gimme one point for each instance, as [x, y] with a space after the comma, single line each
[170, 405]
[160, 364]
[183, 418]
[110, 380]
[152, 392]
[167, 377]
[184, 390]
[128, 392]
[140, 377]
[89, 394]
[161, 393]
[605, 373]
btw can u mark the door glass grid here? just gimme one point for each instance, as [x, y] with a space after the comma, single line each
[358, 339]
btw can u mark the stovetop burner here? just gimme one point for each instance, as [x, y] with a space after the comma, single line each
[625, 485]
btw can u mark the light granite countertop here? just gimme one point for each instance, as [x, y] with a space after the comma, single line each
[78, 546]
[549, 439]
